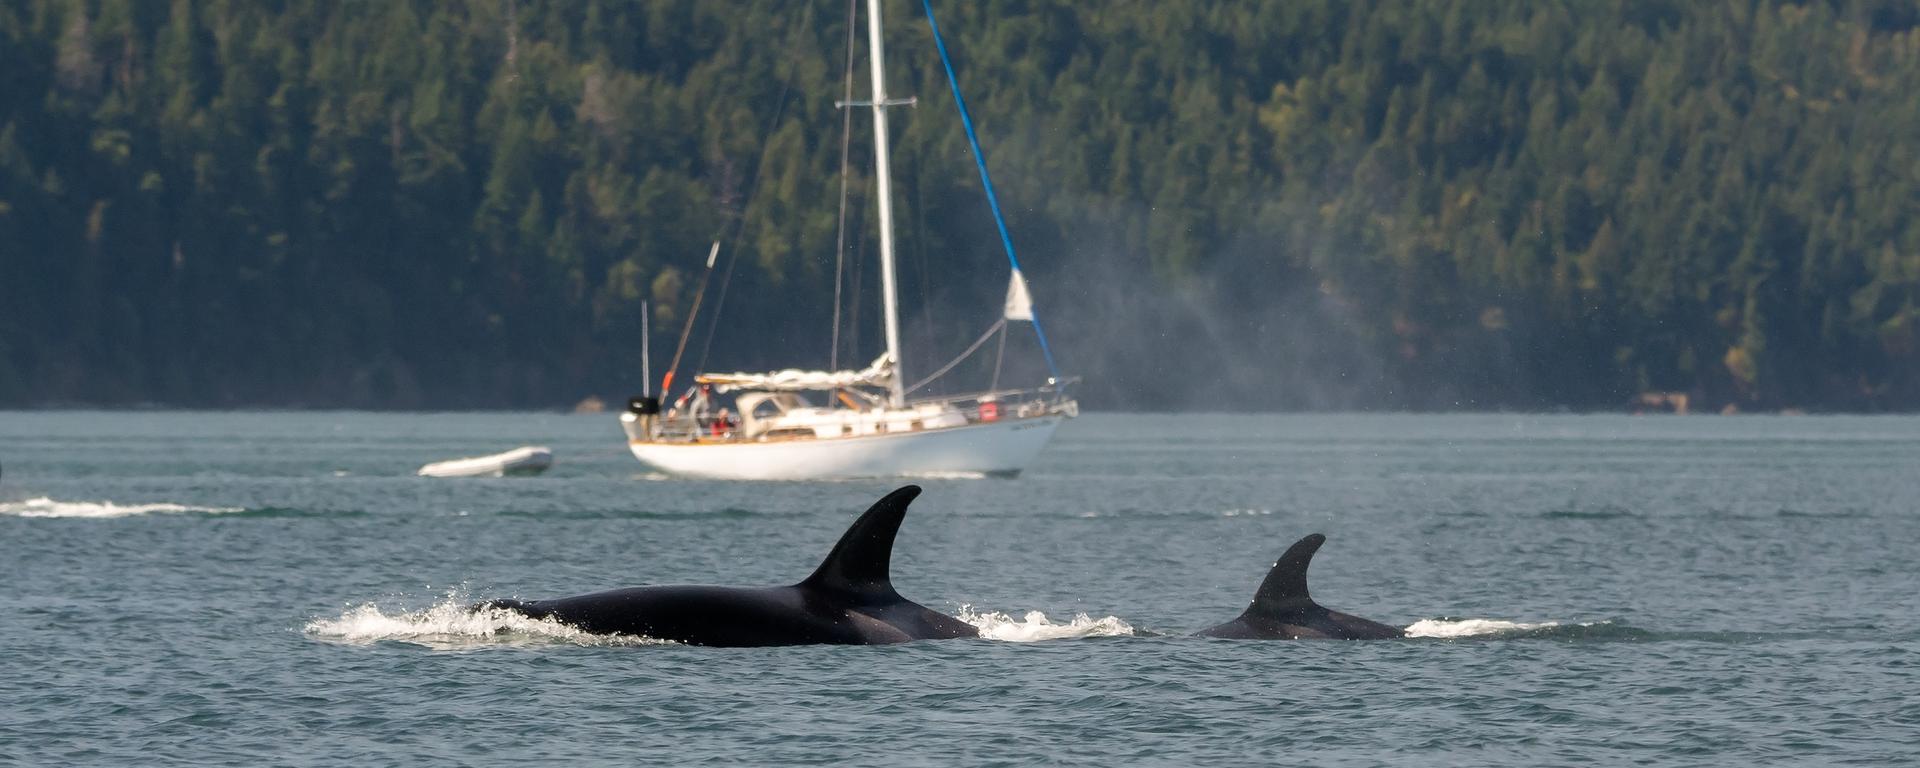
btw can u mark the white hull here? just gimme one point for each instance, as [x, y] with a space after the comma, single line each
[529, 460]
[997, 448]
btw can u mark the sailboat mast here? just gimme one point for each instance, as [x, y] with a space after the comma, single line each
[883, 172]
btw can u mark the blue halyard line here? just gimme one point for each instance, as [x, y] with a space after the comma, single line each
[980, 159]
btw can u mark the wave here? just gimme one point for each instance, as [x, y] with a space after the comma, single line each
[1845, 514]
[46, 507]
[1601, 513]
[453, 624]
[1142, 514]
[724, 513]
[1500, 629]
[1451, 628]
[298, 512]
[1036, 626]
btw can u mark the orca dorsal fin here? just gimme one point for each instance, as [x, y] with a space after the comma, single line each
[1285, 588]
[860, 562]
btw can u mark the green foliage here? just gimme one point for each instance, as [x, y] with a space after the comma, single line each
[1299, 202]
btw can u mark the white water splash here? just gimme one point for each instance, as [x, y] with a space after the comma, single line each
[46, 507]
[1036, 626]
[1445, 628]
[1246, 512]
[452, 624]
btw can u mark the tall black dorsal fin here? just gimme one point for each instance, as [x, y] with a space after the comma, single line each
[859, 563]
[1285, 588]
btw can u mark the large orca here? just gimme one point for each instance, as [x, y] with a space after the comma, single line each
[1282, 609]
[849, 600]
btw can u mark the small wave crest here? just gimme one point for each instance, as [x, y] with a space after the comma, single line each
[1035, 625]
[454, 624]
[1448, 628]
[727, 513]
[46, 507]
[1498, 629]
[1608, 512]
[1139, 514]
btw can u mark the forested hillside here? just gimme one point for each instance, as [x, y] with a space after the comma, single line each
[1255, 204]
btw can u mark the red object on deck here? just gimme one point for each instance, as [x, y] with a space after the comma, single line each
[989, 411]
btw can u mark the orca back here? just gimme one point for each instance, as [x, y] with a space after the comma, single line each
[1282, 609]
[849, 599]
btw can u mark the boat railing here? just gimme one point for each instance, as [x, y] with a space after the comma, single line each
[998, 404]
[687, 428]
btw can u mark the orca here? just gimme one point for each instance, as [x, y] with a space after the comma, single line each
[1282, 609]
[849, 600]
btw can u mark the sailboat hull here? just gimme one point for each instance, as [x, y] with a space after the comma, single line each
[1001, 448]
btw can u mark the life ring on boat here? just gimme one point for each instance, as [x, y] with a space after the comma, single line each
[989, 411]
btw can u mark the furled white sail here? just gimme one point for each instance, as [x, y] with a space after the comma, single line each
[1019, 302]
[879, 374]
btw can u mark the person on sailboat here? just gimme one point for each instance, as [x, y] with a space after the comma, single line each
[703, 410]
[693, 403]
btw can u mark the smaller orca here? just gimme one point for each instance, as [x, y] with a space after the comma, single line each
[1282, 609]
[849, 600]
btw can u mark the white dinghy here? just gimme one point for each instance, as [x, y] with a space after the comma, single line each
[525, 460]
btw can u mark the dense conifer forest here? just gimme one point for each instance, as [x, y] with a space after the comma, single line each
[1266, 204]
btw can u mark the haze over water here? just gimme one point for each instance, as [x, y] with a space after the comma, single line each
[277, 588]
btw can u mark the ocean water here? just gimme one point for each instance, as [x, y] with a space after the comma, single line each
[277, 588]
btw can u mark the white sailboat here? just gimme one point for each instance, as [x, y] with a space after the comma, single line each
[864, 426]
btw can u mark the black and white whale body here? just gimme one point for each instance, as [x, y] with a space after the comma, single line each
[849, 600]
[1282, 609]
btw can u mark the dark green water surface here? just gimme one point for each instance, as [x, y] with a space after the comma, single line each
[277, 588]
